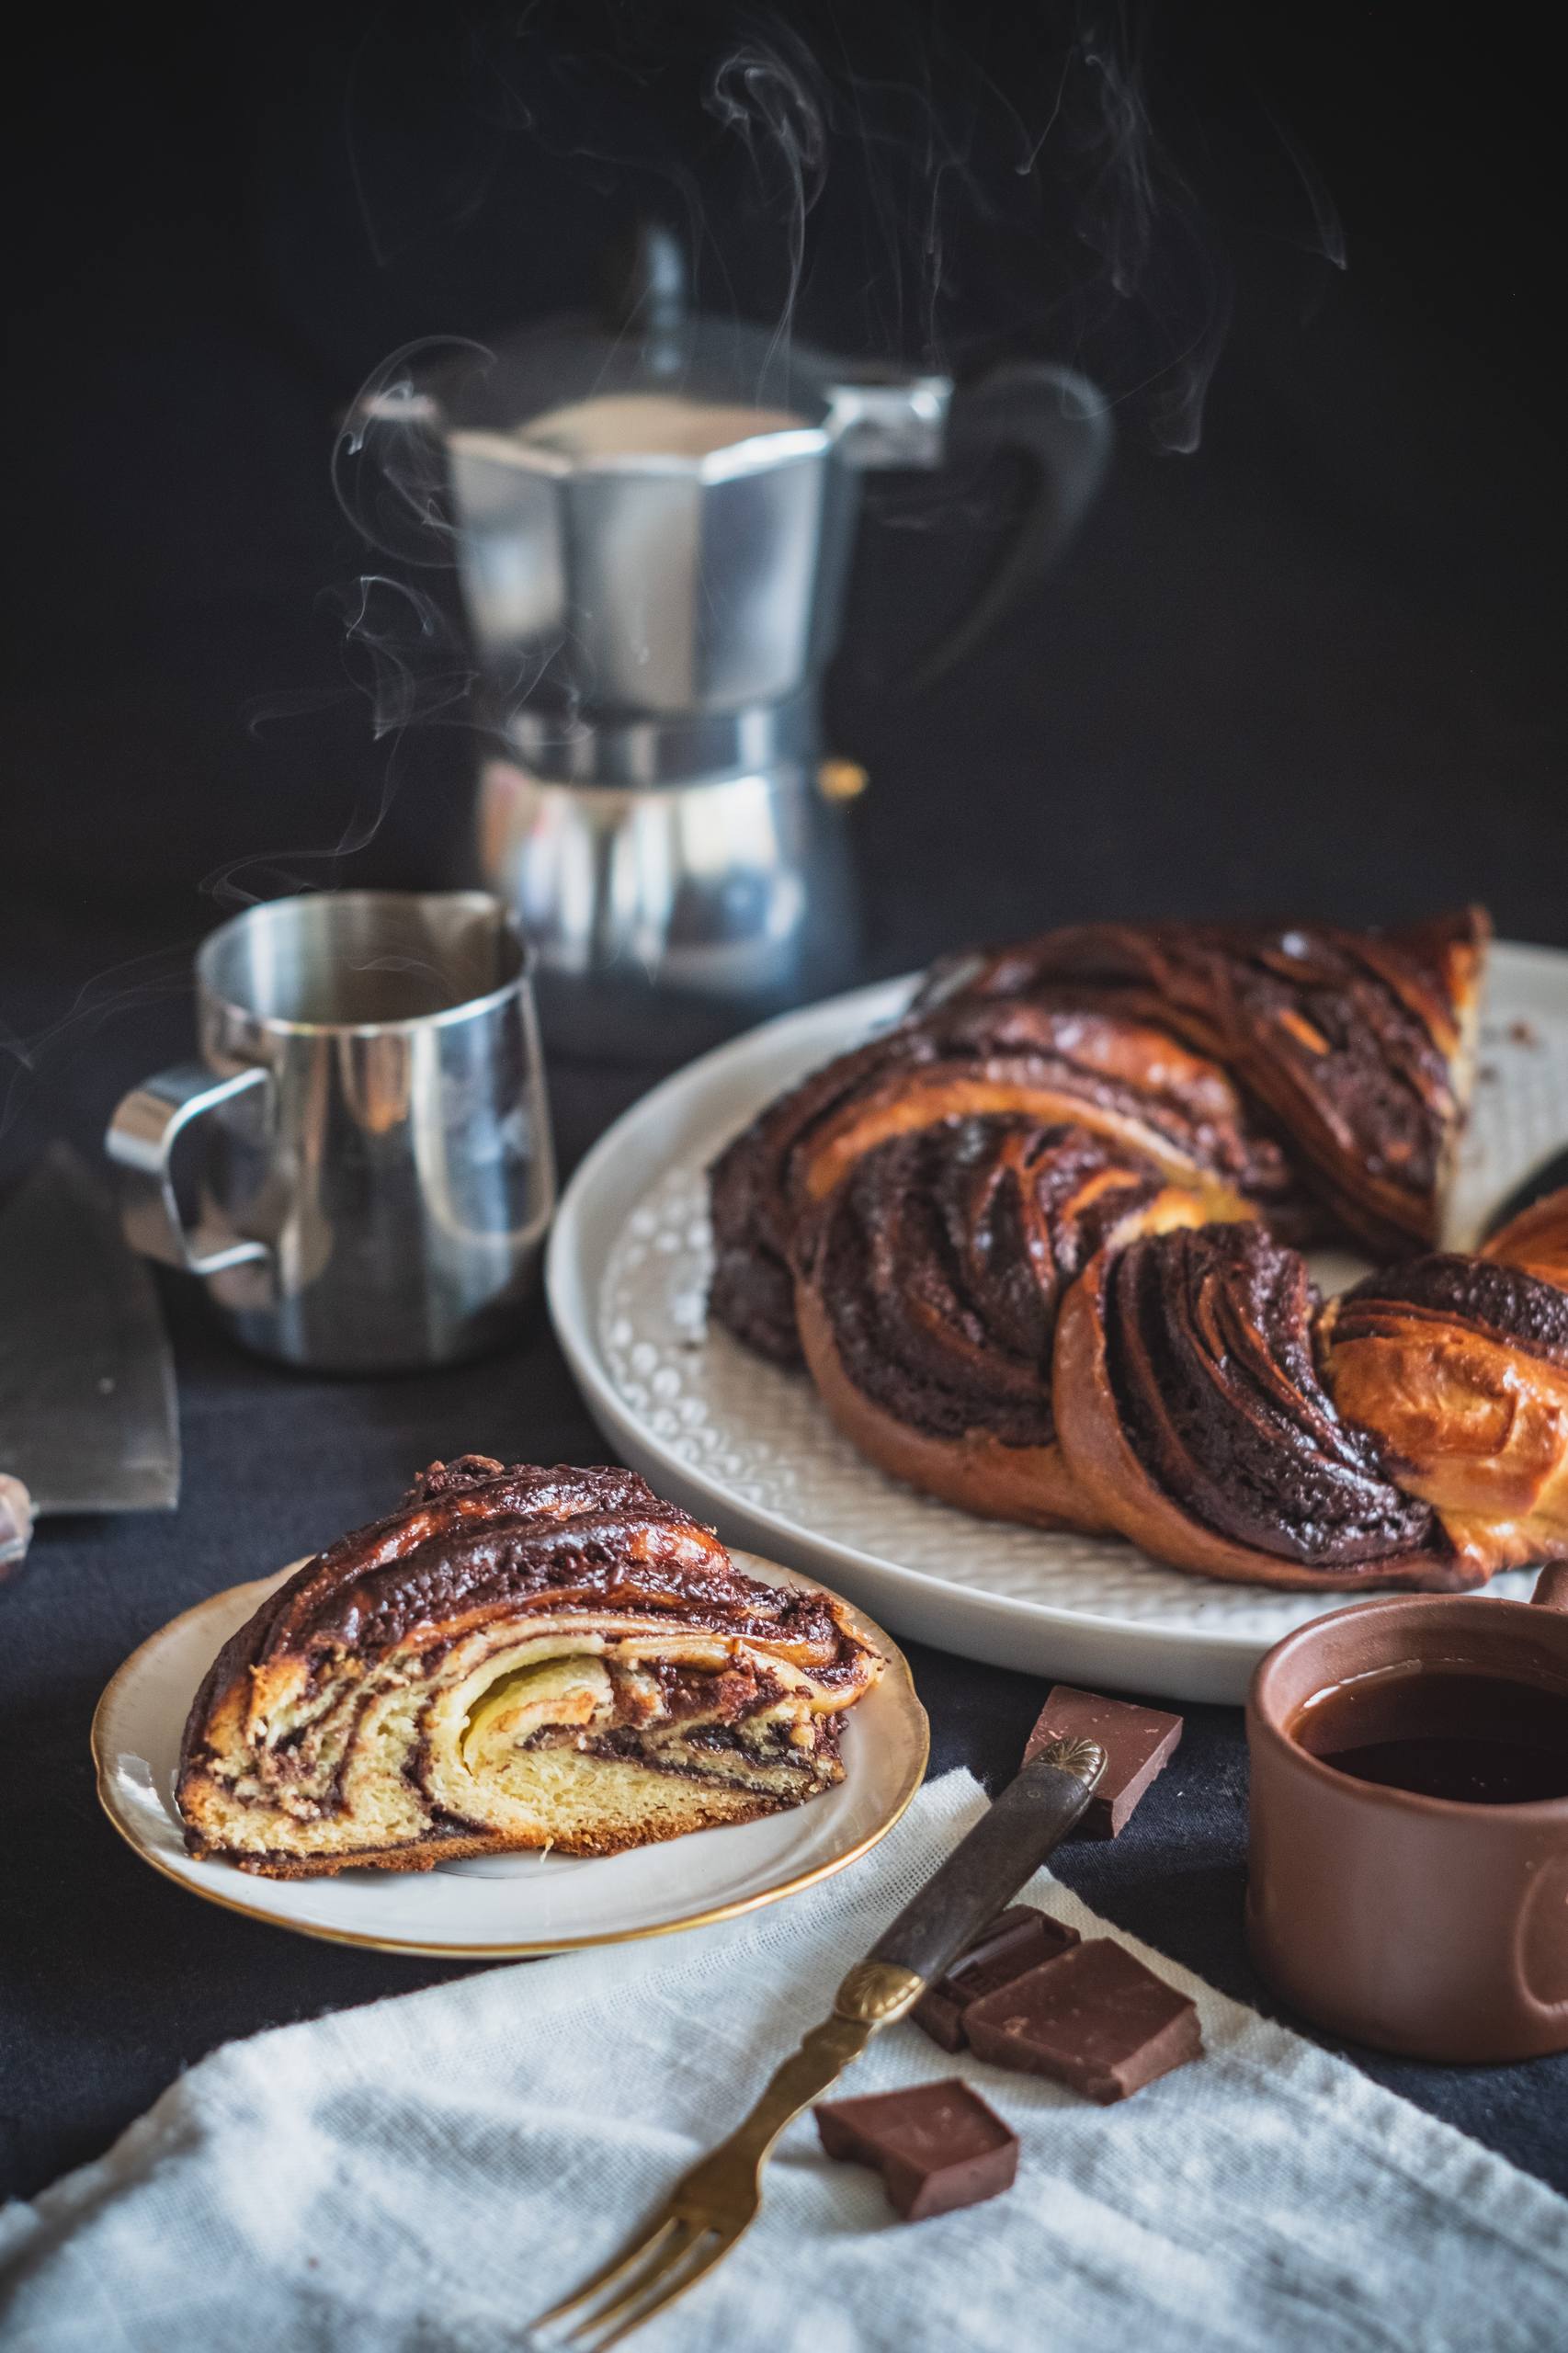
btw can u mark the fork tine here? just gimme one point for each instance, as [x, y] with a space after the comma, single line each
[673, 2283]
[633, 2251]
[659, 2265]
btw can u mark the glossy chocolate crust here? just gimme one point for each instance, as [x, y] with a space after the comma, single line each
[1353, 1048]
[1190, 1407]
[1124, 1078]
[1448, 1288]
[1460, 1367]
[940, 1261]
[928, 1284]
[474, 1540]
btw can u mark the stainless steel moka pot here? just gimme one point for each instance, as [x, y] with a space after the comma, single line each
[652, 516]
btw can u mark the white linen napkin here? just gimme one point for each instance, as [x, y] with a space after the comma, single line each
[429, 2172]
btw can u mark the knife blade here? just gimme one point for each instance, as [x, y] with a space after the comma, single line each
[89, 1419]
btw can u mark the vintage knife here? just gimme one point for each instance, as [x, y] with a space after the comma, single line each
[88, 1416]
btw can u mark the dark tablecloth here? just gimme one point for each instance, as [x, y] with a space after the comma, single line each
[112, 1980]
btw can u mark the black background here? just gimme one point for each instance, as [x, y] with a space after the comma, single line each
[1313, 666]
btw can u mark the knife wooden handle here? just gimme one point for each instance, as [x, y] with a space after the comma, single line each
[1006, 1845]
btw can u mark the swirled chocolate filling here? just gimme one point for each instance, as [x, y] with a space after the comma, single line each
[966, 1060]
[943, 1258]
[1210, 1355]
[474, 1538]
[1347, 1042]
[460, 1660]
[1500, 1300]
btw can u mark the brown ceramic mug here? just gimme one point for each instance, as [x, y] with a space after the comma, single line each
[1417, 1924]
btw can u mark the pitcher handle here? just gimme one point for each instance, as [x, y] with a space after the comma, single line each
[1060, 425]
[140, 1140]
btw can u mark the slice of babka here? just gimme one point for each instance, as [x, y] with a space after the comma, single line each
[518, 1658]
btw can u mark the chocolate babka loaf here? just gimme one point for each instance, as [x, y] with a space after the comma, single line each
[518, 1658]
[1353, 1048]
[1033, 1245]
[1318, 1075]
[1191, 1413]
[1126, 1080]
[928, 1285]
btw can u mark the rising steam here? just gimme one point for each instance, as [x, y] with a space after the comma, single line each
[772, 96]
[1080, 228]
[404, 654]
[961, 219]
[388, 467]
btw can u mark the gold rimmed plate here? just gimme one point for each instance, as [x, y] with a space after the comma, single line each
[503, 1907]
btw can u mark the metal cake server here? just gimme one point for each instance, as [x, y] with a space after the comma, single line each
[718, 2197]
[88, 1416]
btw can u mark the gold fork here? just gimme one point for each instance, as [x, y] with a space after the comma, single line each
[718, 2197]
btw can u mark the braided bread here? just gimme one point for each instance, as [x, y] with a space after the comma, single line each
[1191, 1413]
[928, 1287]
[516, 1657]
[1460, 1367]
[1356, 1048]
[1033, 1244]
[1123, 1079]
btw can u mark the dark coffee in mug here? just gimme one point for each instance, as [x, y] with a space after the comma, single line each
[1377, 1906]
[1442, 1731]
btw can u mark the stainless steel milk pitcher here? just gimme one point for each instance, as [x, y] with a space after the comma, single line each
[653, 518]
[367, 1134]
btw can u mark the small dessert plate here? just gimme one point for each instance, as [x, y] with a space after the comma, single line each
[504, 1907]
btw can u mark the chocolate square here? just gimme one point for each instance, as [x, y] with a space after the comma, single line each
[1095, 2018]
[936, 2146]
[1138, 1743]
[1017, 1940]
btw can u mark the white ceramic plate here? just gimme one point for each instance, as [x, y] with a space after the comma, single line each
[502, 1906]
[750, 1449]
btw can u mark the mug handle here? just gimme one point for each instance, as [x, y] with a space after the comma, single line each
[1551, 1586]
[140, 1140]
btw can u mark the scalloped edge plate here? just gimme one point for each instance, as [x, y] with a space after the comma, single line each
[697, 1111]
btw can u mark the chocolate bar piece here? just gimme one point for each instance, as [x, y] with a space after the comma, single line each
[1017, 1940]
[1095, 2019]
[1138, 1743]
[936, 2145]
